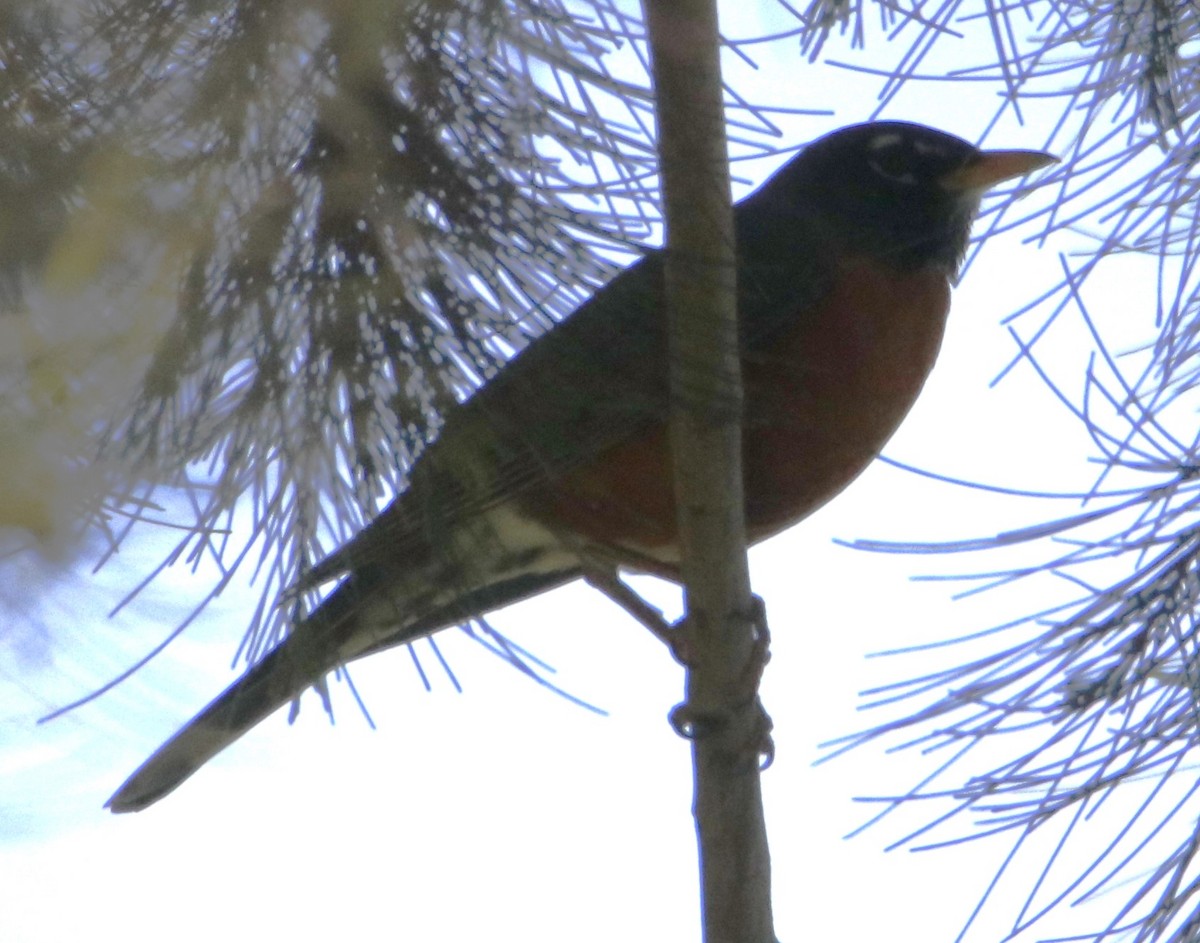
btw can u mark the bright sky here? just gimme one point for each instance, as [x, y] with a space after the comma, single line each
[507, 811]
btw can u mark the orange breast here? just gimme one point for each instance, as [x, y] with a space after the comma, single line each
[821, 402]
[825, 399]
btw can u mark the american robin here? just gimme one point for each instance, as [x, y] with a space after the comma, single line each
[560, 466]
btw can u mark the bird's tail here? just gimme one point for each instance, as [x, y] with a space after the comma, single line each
[266, 687]
[356, 620]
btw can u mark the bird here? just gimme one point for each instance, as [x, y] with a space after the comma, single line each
[560, 466]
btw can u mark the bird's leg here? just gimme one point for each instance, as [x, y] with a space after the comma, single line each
[607, 581]
[692, 723]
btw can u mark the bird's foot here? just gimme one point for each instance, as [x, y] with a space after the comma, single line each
[759, 745]
[696, 723]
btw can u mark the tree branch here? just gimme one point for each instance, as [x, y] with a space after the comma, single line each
[725, 716]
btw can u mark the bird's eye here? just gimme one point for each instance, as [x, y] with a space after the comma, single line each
[892, 157]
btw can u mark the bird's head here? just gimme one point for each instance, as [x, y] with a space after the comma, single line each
[901, 191]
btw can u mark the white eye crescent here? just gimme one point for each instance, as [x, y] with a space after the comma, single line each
[926, 148]
[887, 139]
[901, 158]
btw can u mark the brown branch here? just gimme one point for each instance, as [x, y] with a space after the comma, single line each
[722, 708]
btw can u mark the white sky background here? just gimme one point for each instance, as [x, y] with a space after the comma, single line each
[507, 812]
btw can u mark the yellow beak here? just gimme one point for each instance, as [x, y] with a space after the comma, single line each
[993, 167]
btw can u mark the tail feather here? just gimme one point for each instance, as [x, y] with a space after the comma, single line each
[266, 687]
[356, 620]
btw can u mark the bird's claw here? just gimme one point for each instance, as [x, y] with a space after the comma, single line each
[694, 723]
[698, 725]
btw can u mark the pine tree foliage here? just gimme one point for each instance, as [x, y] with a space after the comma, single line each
[302, 236]
[1073, 729]
[342, 219]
